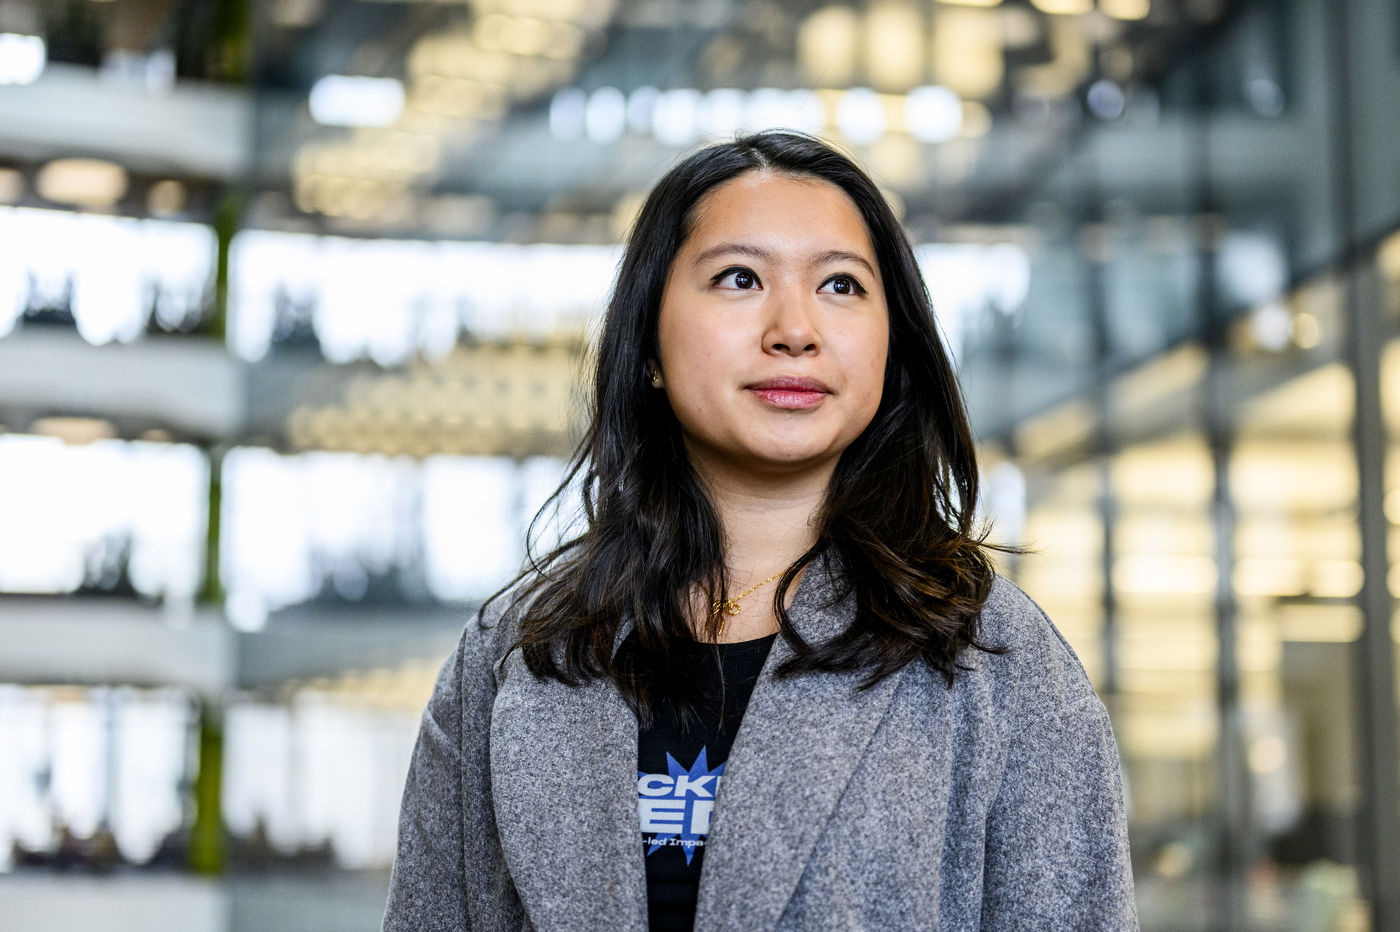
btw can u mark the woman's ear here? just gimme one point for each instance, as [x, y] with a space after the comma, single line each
[653, 375]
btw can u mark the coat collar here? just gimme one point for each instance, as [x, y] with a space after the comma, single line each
[800, 741]
[563, 774]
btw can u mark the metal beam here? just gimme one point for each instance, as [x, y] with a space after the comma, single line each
[1378, 815]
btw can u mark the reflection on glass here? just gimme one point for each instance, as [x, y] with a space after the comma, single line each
[1296, 570]
[322, 774]
[91, 777]
[105, 516]
[350, 527]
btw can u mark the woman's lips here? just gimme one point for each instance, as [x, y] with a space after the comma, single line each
[791, 393]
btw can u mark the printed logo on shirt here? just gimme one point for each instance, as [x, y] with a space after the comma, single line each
[675, 807]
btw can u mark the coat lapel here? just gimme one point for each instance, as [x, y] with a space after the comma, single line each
[564, 780]
[796, 750]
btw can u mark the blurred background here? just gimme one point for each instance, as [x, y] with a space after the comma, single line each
[294, 297]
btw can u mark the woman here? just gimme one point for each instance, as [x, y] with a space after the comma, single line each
[775, 684]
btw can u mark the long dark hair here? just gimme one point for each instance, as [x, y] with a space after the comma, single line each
[899, 515]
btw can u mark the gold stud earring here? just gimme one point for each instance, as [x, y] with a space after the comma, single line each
[655, 378]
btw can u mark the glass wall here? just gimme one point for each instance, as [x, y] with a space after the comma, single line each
[1208, 284]
[284, 379]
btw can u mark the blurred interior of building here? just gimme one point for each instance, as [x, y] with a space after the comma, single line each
[294, 300]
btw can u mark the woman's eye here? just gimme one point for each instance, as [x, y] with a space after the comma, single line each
[841, 285]
[742, 279]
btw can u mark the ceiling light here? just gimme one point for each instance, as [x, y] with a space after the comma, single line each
[74, 430]
[1106, 100]
[1126, 9]
[675, 119]
[605, 117]
[295, 14]
[894, 34]
[933, 114]
[1020, 28]
[976, 120]
[490, 31]
[528, 36]
[567, 114]
[826, 46]
[725, 112]
[11, 186]
[1271, 325]
[971, 2]
[1306, 331]
[166, 198]
[22, 58]
[566, 42]
[639, 107]
[342, 100]
[82, 182]
[967, 52]
[1064, 7]
[861, 116]
[770, 108]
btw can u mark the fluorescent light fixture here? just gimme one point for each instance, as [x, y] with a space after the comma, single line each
[639, 107]
[725, 112]
[770, 108]
[1064, 7]
[933, 114]
[1126, 9]
[22, 58]
[675, 118]
[11, 185]
[605, 116]
[1106, 99]
[860, 116]
[82, 182]
[967, 52]
[894, 45]
[567, 114]
[342, 100]
[827, 46]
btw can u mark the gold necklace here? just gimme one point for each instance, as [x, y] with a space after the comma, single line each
[731, 607]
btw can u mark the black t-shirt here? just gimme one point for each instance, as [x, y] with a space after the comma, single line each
[678, 772]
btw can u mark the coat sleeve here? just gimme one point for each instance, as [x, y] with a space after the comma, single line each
[1056, 853]
[426, 891]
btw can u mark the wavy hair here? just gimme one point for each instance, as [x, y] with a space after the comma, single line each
[899, 514]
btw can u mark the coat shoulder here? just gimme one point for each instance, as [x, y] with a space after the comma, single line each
[1032, 659]
[492, 630]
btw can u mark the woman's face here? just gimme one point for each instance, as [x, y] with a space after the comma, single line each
[773, 328]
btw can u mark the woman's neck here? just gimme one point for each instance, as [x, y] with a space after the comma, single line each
[769, 521]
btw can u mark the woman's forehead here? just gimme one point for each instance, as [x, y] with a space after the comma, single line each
[766, 211]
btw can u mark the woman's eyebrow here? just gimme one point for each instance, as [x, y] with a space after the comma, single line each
[759, 252]
[839, 255]
[741, 249]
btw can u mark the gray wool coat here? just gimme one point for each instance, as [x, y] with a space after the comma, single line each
[994, 805]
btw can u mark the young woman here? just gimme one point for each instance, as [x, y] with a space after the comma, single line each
[775, 684]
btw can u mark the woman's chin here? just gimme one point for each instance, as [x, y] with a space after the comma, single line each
[788, 456]
[768, 452]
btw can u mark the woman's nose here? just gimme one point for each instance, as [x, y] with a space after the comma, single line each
[792, 330]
